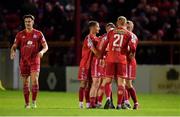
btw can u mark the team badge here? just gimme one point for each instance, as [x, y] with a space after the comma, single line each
[34, 36]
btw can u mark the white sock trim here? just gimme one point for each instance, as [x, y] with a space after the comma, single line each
[108, 98]
[127, 102]
[87, 105]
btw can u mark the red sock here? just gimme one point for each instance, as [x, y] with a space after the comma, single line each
[122, 100]
[120, 94]
[132, 92]
[128, 94]
[35, 89]
[100, 98]
[108, 89]
[26, 93]
[81, 94]
[101, 88]
[93, 101]
[126, 97]
[87, 91]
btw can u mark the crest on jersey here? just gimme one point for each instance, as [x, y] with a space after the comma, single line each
[34, 36]
[23, 36]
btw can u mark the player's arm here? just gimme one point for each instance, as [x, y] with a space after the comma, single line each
[13, 51]
[96, 52]
[132, 55]
[133, 45]
[44, 50]
[14, 47]
[104, 46]
[93, 48]
[44, 45]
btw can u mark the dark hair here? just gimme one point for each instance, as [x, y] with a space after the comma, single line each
[92, 23]
[28, 16]
[110, 24]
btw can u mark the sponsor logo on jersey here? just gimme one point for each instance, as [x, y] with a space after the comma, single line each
[29, 43]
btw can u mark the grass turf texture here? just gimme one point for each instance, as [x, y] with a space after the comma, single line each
[58, 103]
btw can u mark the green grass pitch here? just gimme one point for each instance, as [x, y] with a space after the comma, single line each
[58, 103]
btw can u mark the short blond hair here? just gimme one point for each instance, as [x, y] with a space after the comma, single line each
[122, 19]
[131, 25]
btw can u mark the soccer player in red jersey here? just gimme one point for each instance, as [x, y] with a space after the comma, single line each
[97, 68]
[88, 50]
[131, 69]
[30, 41]
[116, 61]
[101, 68]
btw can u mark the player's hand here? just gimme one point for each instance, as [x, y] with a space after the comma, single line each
[131, 55]
[102, 63]
[12, 55]
[40, 54]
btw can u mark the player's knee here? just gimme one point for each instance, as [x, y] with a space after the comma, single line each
[82, 84]
[108, 80]
[96, 85]
[103, 83]
[35, 82]
[93, 85]
[26, 83]
[121, 83]
[129, 84]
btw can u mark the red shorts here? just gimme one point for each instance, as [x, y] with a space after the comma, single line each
[114, 70]
[102, 69]
[27, 69]
[83, 74]
[95, 68]
[29, 66]
[131, 71]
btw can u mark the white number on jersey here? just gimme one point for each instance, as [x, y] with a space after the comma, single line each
[118, 40]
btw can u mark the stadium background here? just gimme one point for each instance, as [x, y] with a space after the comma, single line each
[63, 22]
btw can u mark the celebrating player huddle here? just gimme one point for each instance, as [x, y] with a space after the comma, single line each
[108, 57]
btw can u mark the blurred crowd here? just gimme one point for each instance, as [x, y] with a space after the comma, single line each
[53, 17]
[156, 20]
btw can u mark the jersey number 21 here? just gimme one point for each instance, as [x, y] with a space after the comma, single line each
[118, 40]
